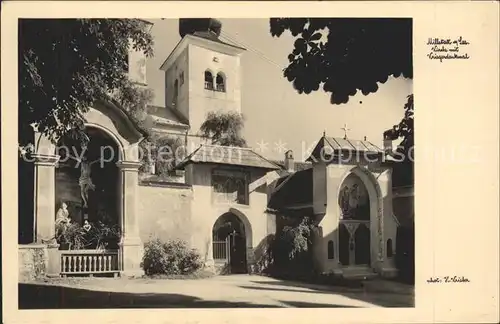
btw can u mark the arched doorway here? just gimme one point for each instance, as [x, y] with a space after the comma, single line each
[93, 199]
[354, 226]
[229, 239]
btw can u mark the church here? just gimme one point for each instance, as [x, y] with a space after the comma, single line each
[223, 201]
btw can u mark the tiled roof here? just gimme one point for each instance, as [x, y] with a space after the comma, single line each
[292, 190]
[297, 166]
[337, 145]
[167, 116]
[165, 121]
[228, 155]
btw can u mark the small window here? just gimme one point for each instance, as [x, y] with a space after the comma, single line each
[220, 83]
[209, 80]
[390, 252]
[176, 93]
[181, 78]
[331, 253]
[230, 188]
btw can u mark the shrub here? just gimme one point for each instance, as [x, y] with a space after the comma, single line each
[170, 258]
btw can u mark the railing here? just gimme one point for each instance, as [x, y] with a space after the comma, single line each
[220, 88]
[89, 262]
[221, 250]
[209, 85]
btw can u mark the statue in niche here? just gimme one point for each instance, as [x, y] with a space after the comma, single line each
[85, 180]
[62, 215]
[351, 199]
[62, 220]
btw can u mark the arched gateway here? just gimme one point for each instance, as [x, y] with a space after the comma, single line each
[231, 238]
[97, 183]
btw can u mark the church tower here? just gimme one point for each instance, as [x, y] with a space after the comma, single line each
[202, 73]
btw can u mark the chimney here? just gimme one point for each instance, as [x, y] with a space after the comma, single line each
[389, 137]
[289, 165]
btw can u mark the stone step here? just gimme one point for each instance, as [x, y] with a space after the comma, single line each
[358, 273]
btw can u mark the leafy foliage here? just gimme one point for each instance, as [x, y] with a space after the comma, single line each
[289, 252]
[343, 55]
[404, 129]
[224, 128]
[68, 64]
[101, 235]
[170, 258]
[76, 237]
[296, 239]
[72, 235]
[163, 151]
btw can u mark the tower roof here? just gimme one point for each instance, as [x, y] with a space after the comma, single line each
[202, 32]
[203, 25]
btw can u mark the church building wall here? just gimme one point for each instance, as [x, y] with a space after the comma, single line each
[390, 223]
[178, 71]
[330, 220]
[202, 100]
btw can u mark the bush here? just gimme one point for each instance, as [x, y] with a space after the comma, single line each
[170, 258]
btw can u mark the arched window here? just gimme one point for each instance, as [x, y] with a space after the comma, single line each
[209, 80]
[389, 248]
[331, 253]
[220, 82]
[176, 93]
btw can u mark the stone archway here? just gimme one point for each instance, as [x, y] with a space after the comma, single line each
[102, 205]
[231, 243]
[362, 220]
[113, 121]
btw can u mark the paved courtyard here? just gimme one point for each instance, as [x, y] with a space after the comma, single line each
[222, 291]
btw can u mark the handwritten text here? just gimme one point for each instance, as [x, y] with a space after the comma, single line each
[447, 49]
[448, 279]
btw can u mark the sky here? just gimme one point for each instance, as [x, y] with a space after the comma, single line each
[277, 118]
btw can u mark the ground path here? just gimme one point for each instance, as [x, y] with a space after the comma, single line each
[221, 291]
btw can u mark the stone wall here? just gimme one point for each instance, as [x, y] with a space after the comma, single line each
[164, 210]
[32, 261]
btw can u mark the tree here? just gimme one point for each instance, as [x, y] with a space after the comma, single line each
[224, 128]
[404, 129]
[65, 65]
[344, 55]
[164, 151]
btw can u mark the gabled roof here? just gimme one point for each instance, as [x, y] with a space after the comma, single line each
[167, 116]
[297, 166]
[336, 145]
[294, 190]
[228, 155]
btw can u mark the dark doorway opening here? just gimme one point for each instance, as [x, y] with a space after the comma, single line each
[229, 243]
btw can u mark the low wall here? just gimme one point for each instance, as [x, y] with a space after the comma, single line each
[32, 261]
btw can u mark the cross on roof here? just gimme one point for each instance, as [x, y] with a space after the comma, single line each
[345, 129]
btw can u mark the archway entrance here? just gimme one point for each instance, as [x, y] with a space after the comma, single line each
[87, 181]
[230, 243]
[354, 227]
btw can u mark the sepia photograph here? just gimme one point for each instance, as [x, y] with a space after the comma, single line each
[215, 163]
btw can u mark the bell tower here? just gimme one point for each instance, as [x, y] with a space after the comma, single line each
[202, 73]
